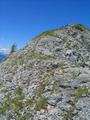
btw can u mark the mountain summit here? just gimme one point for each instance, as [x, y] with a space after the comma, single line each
[49, 79]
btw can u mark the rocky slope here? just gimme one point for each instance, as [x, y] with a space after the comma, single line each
[49, 79]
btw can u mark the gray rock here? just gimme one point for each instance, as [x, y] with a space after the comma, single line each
[49, 79]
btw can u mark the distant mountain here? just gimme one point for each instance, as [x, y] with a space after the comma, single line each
[2, 56]
[3, 53]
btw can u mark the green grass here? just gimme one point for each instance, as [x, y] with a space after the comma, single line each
[55, 87]
[24, 58]
[30, 101]
[18, 102]
[52, 32]
[41, 88]
[49, 32]
[46, 57]
[1, 83]
[80, 91]
[77, 95]
[80, 27]
[13, 103]
[41, 103]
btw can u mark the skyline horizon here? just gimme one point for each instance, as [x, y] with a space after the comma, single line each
[22, 20]
[6, 50]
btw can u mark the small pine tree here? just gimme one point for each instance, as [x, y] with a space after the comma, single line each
[13, 48]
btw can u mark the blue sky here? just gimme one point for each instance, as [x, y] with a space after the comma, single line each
[21, 20]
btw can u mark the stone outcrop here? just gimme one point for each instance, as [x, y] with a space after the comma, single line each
[49, 79]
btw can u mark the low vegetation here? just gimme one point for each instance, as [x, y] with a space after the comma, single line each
[80, 27]
[41, 103]
[49, 32]
[77, 95]
[46, 57]
[16, 103]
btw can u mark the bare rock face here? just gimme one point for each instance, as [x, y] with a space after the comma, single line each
[49, 79]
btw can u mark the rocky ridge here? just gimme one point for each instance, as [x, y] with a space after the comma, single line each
[49, 79]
